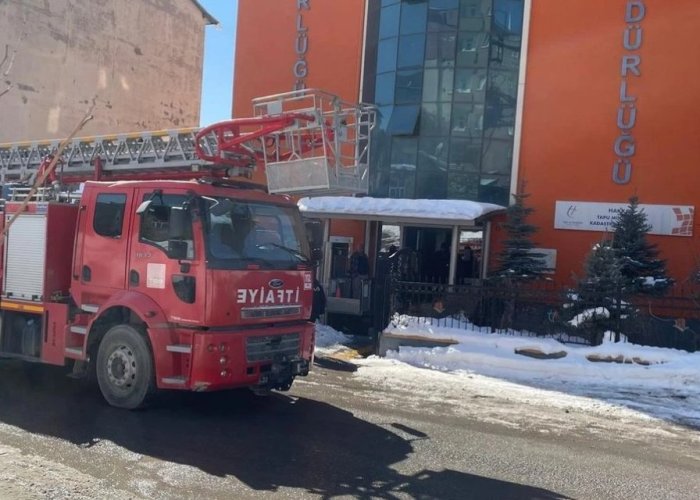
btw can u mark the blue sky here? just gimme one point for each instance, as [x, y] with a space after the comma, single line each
[219, 44]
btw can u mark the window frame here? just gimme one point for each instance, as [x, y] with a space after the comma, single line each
[121, 216]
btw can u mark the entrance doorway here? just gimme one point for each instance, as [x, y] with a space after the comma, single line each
[432, 247]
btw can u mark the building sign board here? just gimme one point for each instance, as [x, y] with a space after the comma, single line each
[667, 220]
[548, 257]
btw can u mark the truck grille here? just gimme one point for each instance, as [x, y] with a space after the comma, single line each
[269, 312]
[269, 347]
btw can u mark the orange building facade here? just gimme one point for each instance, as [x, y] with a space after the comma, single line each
[283, 45]
[607, 107]
[610, 111]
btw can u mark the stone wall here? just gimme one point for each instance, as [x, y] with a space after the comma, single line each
[140, 60]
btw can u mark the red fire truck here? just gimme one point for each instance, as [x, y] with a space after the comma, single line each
[168, 271]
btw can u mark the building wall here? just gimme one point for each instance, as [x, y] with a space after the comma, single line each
[329, 33]
[572, 97]
[140, 60]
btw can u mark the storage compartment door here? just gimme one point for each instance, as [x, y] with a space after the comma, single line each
[25, 258]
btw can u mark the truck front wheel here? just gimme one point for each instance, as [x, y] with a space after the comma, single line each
[125, 371]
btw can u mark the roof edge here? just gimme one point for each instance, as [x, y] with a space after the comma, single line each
[205, 13]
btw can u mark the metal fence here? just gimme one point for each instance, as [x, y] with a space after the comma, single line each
[540, 309]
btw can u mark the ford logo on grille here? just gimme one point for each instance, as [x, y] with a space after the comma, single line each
[276, 283]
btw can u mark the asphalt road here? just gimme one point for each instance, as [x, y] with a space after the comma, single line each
[333, 435]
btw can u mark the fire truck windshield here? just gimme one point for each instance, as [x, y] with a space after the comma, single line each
[240, 233]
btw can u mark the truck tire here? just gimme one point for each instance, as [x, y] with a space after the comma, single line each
[124, 366]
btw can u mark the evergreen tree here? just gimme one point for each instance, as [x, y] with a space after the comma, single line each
[599, 302]
[517, 260]
[641, 269]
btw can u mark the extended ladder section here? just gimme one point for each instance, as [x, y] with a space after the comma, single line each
[144, 155]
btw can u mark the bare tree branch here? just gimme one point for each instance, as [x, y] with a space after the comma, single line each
[8, 60]
[8, 57]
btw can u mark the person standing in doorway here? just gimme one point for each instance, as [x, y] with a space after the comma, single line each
[359, 270]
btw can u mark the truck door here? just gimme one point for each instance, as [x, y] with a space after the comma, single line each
[163, 265]
[99, 268]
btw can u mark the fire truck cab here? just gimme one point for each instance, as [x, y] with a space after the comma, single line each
[166, 284]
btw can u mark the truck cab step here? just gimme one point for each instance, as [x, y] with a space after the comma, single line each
[174, 380]
[82, 330]
[74, 352]
[181, 348]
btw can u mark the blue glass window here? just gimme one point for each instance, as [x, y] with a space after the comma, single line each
[473, 49]
[411, 50]
[507, 17]
[505, 52]
[384, 88]
[494, 189]
[435, 119]
[409, 86]
[475, 15]
[389, 21]
[403, 120]
[433, 152]
[431, 177]
[465, 155]
[386, 55]
[438, 84]
[467, 120]
[440, 49]
[501, 99]
[470, 85]
[497, 157]
[383, 117]
[402, 177]
[462, 186]
[443, 15]
[413, 17]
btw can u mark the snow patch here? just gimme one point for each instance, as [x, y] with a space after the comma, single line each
[387, 207]
[326, 336]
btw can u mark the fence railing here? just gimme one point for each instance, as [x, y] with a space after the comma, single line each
[540, 309]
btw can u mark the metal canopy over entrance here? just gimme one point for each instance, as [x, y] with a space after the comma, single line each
[444, 213]
[455, 216]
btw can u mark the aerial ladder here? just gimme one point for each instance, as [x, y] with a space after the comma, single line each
[310, 142]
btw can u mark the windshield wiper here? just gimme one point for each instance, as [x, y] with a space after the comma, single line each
[302, 258]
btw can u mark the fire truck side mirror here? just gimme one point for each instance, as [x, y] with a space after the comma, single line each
[143, 207]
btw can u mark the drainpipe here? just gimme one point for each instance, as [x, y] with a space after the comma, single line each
[453, 255]
[485, 250]
[326, 267]
[520, 105]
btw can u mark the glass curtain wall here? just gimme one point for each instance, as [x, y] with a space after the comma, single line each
[444, 75]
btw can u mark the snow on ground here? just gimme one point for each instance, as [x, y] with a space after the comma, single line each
[653, 382]
[329, 340]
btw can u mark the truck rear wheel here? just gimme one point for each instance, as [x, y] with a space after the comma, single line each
[125, 371]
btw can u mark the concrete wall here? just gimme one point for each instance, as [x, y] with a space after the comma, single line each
[141, 60]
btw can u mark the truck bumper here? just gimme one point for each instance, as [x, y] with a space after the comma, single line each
[264, 359]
